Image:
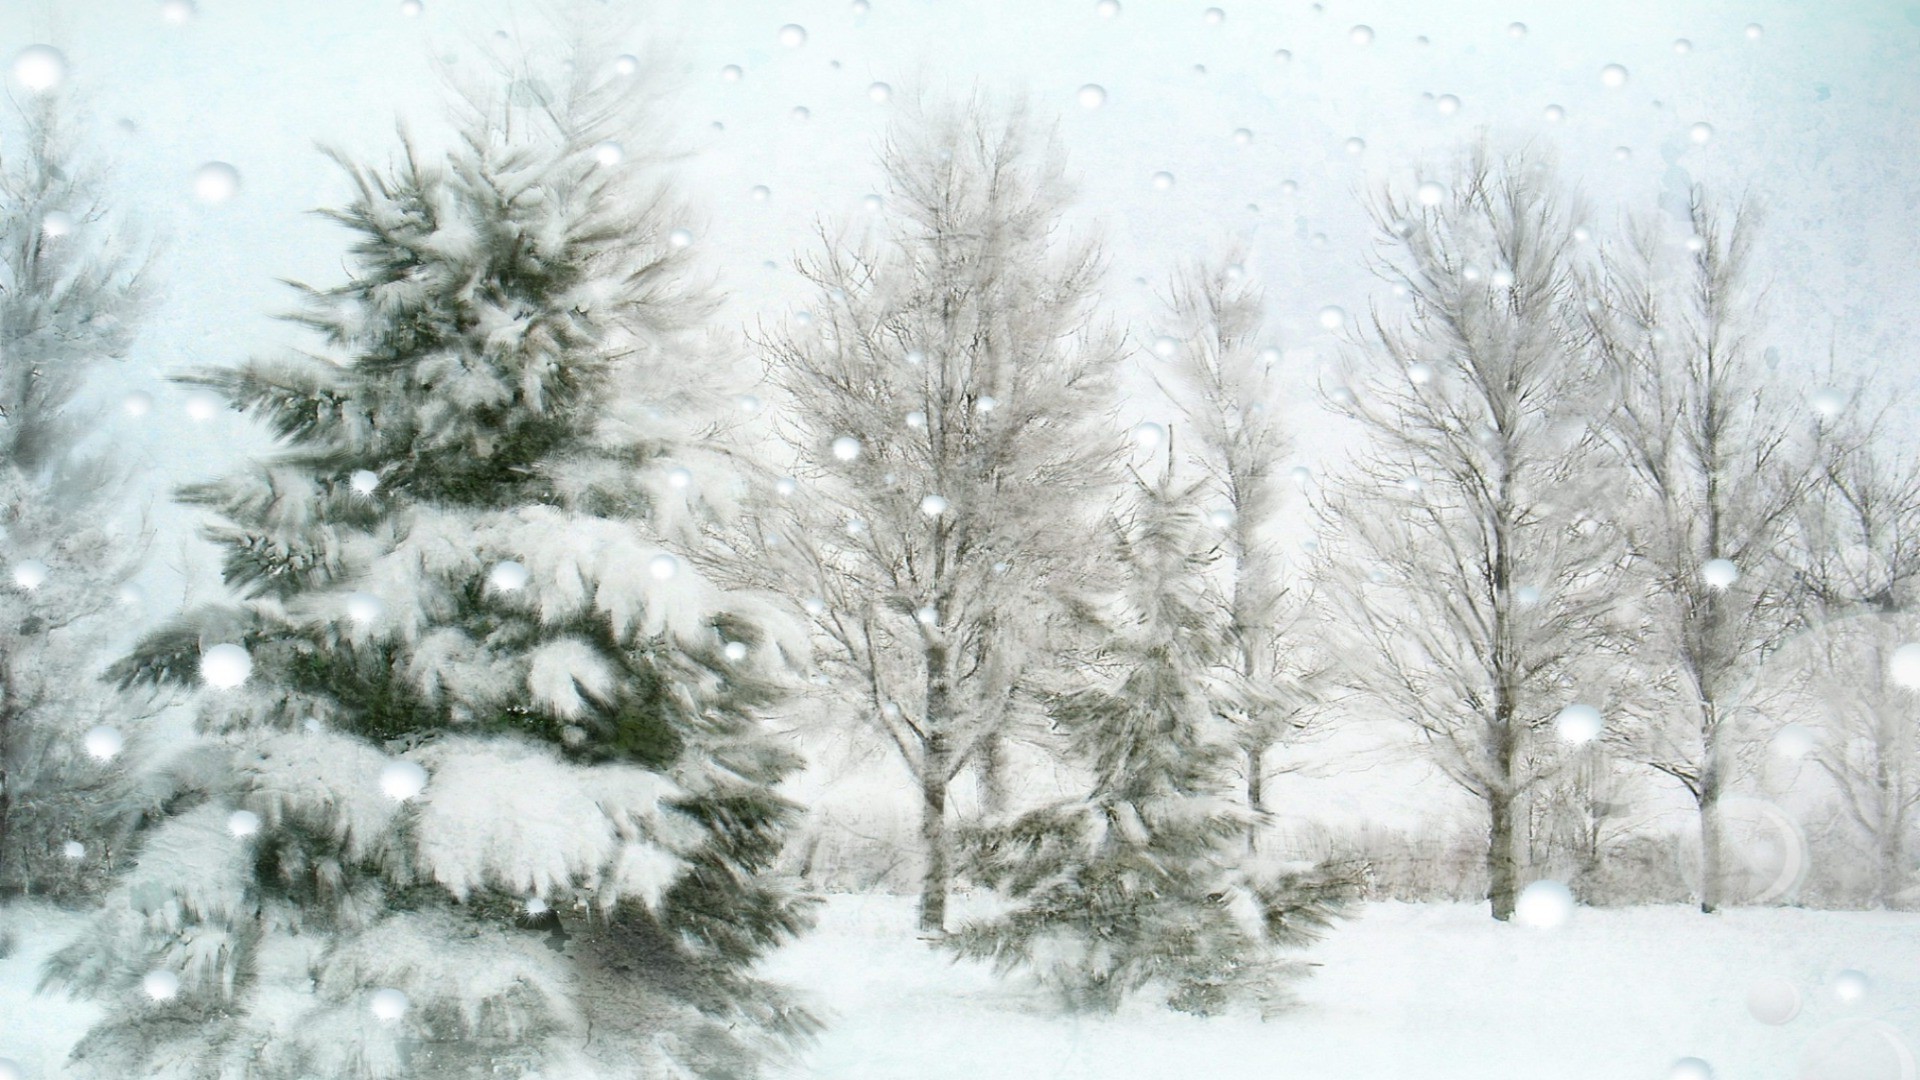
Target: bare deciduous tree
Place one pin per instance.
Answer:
(949, 420)
(1467, 564)
(1857, 561)
(1717, 478)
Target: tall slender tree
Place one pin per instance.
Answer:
(1468, 553)
(1718, 476)
(72, 289)
(482, 786)
(949, 403)
(1856, 565)
(1225, 385)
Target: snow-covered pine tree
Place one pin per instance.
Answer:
(72, 286)
(948, 401)
(482, 789)
(1143, 882)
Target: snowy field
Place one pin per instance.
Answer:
(1434, 992)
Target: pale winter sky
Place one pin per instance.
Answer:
(1813, 108)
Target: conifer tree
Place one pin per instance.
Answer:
(1143, 881)
(72, 287)
(482, 787)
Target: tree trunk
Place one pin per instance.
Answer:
(1501, 873)
(1712, 859)
(1887, 882)
(1256, 793)
(933, 833)
(994, 796)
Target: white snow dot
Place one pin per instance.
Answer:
(388, 1005)
(800, 112)
(226, 666)
(365, 608)
(680, 238)
(39, 67)
(1622, 153)
(364, 481)
(30, 573)
(663, 567)
(1164, 347)
(177, 11)
(202, 406)
(1719, 573)
(1829, 402)
(1162, 181)
(609, 153)
(508, 576)
(1903, 667)
(1754, 30)
(402, 780)
(1773, 1000)
(1682, 46)
(626, 64)
(1356, 146)
(793, 35)
(846, 448)
(216, 182)
(1793, 741)
(1333, 317)
(928, 615)
(1243, 136)
(1419, 373)
(535, 906)
(1092, 96)
(1579, 723)
(732, 73)
(243, 823)
(933, 505)
(813, 605)
(131, 594)
(1107, 9)
(1517, 30)
(1700, 132)
(1220, 519)
(735, 651)
(1430, 194)
(872, 203)
(1613, 75)
(1214, 16)
(1361, 35)
(137, 403)
(880, 93)
(56, 223)
(11, 1070)
(1526, 595)
(860, 7)
(1554, 114)
(1850, 986)
(1448, 104)
(786, 486)
(161, 985)
(679, 478)
(1543, 905)
(103, 743)
(1148, 434)
(1690, 1068)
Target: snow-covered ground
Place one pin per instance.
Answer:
(1405, 992)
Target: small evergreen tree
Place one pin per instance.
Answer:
(482, 788)
(71, 290)
(1144, 880)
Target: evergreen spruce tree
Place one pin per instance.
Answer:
(71, 290)
(1143, 882)
(482, 788)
